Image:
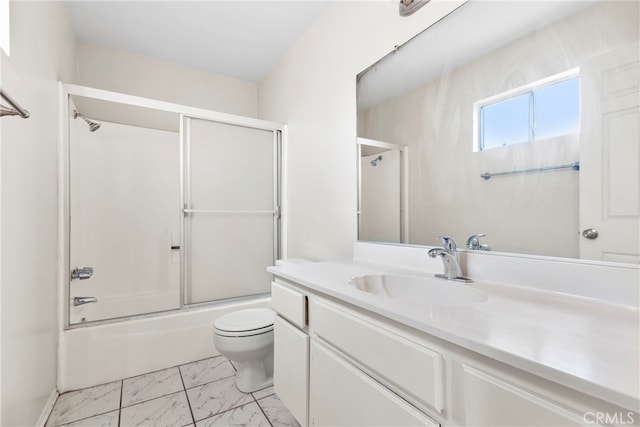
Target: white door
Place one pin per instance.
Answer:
(125, 213)
(610, 157)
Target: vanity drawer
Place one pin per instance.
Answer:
(411, 369)
(289, 303)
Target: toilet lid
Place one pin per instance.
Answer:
(252, 319)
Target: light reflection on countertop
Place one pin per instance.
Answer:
(585, 344)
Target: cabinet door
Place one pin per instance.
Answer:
(340, 394)
(291, 367)
(491, 401)
(387, 353)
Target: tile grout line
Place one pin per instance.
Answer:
(260, 406)
(155, 371)
(262, 410)
(207, 383)
(86, 418)
(234, 408)
(184, 387)
(120, 405)
(186, 395)
(89, 416)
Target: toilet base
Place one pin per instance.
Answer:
(253, 375)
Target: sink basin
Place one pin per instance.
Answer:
(421, 290)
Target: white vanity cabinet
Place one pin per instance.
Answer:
(338, 364)
(329, 370)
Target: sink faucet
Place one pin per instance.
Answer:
(449, 254)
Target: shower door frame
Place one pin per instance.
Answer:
(404, 182)
(186, 208)
(66, 90)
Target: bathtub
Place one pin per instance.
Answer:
(98, 354)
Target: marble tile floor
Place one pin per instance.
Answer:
(199, 394)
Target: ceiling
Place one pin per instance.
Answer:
(235, 38)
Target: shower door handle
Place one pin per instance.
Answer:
(175, 247)
(82, 273)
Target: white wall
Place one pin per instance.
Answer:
(140, 75)
(312, 88)
(42, 49)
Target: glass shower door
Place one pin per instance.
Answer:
(231, 209)
(124, 211)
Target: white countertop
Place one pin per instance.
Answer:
(585, 344)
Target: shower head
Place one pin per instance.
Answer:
(374, 162)
(93, 126)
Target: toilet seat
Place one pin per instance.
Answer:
(243, 323)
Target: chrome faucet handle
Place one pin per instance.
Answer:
(448, 244)
(473, 242)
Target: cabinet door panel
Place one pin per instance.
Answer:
(490, 401)
(291, 367)
(342, 395)
(386, 353)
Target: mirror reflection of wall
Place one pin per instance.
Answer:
(490, 102)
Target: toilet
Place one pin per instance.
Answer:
(246, 338)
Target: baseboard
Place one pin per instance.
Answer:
(48, 407)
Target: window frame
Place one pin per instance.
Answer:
(513, 93)
(5, 27)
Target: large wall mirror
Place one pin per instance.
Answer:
(521, 121)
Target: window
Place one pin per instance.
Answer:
(4, 27)
(544, 109)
